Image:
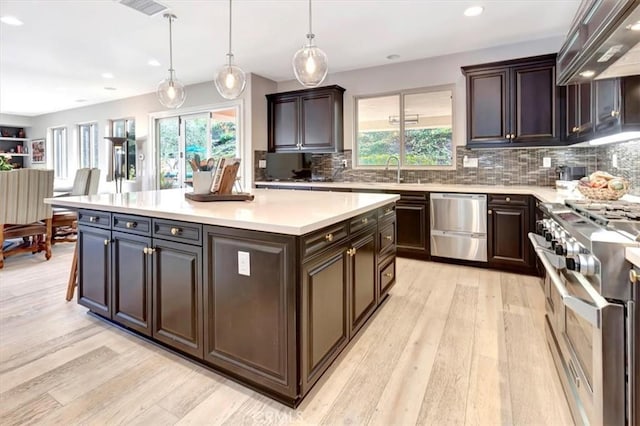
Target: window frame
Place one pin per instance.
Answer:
(401, 94)
(94, 149)
(61, 157)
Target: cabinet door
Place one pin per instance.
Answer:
(325, 312)
(533, 98)
(284, 117)
(508, 244)
(250, 308)
(317, 122)
(177, 295)
(412, 230)
(487, 106)
(573, 110)
(606, 104)
(585, 119)
(94, 277)
(362, 274)
(131, 283)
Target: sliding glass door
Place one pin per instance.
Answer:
(194, 139)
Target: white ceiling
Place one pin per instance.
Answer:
(58, 55)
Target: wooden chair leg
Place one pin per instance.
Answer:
(1, 244)
(47, 241)
(73, 275)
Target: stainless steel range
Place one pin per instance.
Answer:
(591, 314)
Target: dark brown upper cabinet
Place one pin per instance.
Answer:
(579, 118)
(307, 120)
(513, 103)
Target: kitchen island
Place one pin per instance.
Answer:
(267, 292)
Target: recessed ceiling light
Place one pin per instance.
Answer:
(588, 73)
(153, 63)
(107, 75)
(11, 20)
(393, 57)
(109, 88)
(634, 27)
(473, 11)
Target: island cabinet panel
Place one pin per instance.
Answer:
(362, 274)
(324, 312)
(177, 296)
(94, 269)
(250, 307)
(131, 283)
(412, 229)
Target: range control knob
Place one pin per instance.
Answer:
(548, 236)
(584, 264)
(560, 250)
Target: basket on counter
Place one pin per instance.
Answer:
(604, 193)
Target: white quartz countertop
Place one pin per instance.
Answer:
(632, 254)
(283, 211)
(543, 193)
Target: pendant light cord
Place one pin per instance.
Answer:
(310, 31)
(170, 47)
(230, 32)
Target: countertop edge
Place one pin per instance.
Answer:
(632, 254)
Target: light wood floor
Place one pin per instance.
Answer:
(452, 345)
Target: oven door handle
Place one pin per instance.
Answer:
(588, 311)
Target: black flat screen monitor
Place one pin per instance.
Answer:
(285, 166)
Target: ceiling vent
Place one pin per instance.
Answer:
(148, 7)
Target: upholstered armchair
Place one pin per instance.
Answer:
(23, 213)
(85, 182)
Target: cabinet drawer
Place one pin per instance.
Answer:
(363, 221)
(387, 237)
(387, 212)
(184, 232)
(387, 276)
(507, 199)
(132, 224)
(418, 197)
(94, 218)
(319, 240)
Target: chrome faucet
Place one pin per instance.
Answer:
(391, 157)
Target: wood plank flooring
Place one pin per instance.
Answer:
(451, 345)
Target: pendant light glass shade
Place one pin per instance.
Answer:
(230, 79)
(170, 91)
(310, 64)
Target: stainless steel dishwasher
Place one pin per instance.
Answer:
(459, 226)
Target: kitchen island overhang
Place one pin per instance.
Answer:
(267, 292)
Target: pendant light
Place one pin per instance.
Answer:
(170, 90)
(230, 79)
(310, 64)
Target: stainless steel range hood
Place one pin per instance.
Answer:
(604, 42)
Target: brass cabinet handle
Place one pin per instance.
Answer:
(175, 231)
(365, 220)
(145, 250)
(490, 211)
(93, 219)
(633, 276)
(149, 250)
(351, 251)
(575, 129)
(615, 113)
(388, 237)
(130, 225)
(106, 242)
(389, 210)
(329, 237)
(388, 274)
(508, 200)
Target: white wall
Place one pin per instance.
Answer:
(140, 108)
(15, 121)
(442, 70)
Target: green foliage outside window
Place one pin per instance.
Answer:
(423, 147)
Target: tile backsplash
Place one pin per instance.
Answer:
(495, 166)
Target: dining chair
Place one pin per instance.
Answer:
(86, 182)
(24, 216)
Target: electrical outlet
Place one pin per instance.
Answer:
(469, 162)
(262, 164)
(546, 162)
(614, 160)
(344, 164)
(244, 263)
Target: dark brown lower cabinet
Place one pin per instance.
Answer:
(324, 313)
(362, 277)
(177, 296)
(94, 274)
(508, 245)
(131, 281)
(250, 307)
(412, 229)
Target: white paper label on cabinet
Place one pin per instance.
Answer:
(244, 263)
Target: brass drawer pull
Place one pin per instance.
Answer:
(351, 251)
(388, 210)
(175, 231)
(388, 237)
(131, 225)
(490, 211)
(151, 250)
(508, 200)
(365, 220)
(329, 237)
(633, 276)
(93, 219)
(145, 250)
(388, 274)
(106, 242)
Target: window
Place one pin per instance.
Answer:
(88, 141)
(59, 137)
(126, 128)
(415, 126)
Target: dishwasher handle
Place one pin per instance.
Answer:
(441, 196)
